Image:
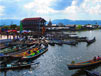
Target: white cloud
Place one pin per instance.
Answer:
(92, 7)
(97, 0)
(1, 10)
(95, 10)
(87, 7)
(72, 11)
(41, 7)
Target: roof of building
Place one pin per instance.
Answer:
(34, 19)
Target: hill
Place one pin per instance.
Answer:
(82, 22)
(57, 21)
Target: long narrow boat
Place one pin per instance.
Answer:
(91, 41)
(8, 58)
(13, 49)
(51, 42)
(73, 42)
(84, 64)
(5, 40)
(2, 46)
(33, 55)
(14, 67)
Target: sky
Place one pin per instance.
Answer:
(51, 9)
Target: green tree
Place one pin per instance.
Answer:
(13, 27)
(5, 27)
(79, 27)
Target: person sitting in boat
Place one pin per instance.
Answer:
(98, 58)
(94, 59)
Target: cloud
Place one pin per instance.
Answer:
(61, 4)
(1, 10)
(72, 11)
(41, 7)
(92, 7)
(86, 8)
(51, 9)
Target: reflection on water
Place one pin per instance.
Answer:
(81, 72)
(54, 61)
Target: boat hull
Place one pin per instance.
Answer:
(34, 57)
(91, 41)
(84, 65)
(15, 67)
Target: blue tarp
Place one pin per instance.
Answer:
(1, 54)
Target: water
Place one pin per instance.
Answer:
(54, 61)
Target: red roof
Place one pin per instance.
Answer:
(37, 19)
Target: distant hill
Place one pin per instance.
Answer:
(57, 21)
(82, 22)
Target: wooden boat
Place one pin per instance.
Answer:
(81, 40)
(2, 46)
(73, 36)
(32, 53)
(73, 42)
(8, 58)
(34, 56)
(5, 41)
(31, 56)
(84, 64)
(82, 37)
(14, 66)
(51, 43)
(91, 41)
(58, 42)
(13, 49)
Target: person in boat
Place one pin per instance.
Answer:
(94, 59)
(98, 58)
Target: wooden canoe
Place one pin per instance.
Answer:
(84, 64)
(91, 41)
(28, 57)
(14, 67)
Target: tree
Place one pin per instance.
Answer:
(79, 27)
(13, 27)
(4, 28)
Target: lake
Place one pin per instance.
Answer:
(54, 61)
